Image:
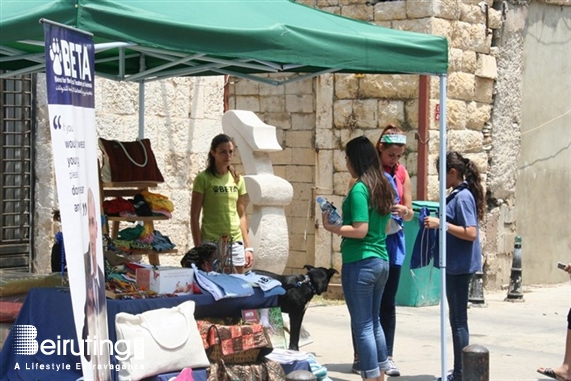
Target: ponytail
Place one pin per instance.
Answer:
(472, 177)
(469, 173)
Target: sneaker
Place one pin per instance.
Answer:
(393, 370)
(356, 368)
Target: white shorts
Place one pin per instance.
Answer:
(238, 253)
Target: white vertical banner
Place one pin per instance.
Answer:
(70, 77)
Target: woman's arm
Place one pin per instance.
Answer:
(407, 199)
(404, 209)
(467, 233)
(241, 208)
(357, 230)
(195, 209)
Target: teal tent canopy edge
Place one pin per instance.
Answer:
(221, 36)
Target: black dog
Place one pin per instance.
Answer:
(299, 291)
(202, 256)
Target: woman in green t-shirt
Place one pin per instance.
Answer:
(220, 194)
(366, 212)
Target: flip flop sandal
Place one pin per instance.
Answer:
(548, 372)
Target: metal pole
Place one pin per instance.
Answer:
(47, 21)
(142, 99)
(442, 230)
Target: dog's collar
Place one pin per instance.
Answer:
(307, 280)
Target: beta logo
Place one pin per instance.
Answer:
(70, 59)
(25, 339)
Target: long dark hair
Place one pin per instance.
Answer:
(468, 172)
(364, 160)
(216, 141)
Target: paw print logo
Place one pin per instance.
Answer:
(55, 56)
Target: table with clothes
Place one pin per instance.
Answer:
(49, 310)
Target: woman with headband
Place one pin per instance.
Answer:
(391, 146)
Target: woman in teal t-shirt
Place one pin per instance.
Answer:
(366, 212)
(220, 194)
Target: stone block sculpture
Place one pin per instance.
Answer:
(268, 192)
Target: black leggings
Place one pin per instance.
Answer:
(388, 312)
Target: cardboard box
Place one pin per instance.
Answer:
(166, 280)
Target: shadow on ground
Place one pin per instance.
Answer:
(345, 368)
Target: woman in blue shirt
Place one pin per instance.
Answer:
(366, 212)
(465, 206)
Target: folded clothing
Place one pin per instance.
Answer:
(116, 206)
(131, 234)
(10, 307)
(142, 208)
(157, 201)
(162, 242)
(319, 371)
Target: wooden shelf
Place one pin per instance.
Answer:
(131, 184)
(130, 189)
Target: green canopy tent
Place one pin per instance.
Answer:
(236, 37)
(151, 40)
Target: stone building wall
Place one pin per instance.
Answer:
(182, 115)
(543, 183)
(348, 105)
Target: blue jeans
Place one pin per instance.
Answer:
(363, 284)
(457, 294)
(388, 313)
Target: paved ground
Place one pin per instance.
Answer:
(520, 337)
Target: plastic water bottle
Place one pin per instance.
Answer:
(334, 217)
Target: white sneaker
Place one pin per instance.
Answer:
(393, 370)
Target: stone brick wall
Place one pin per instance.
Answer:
(348, 105)
(181, 117)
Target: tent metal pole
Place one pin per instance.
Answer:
(423, 126)
(142, 99)
(141, 109)
(28, 70)
(442, 231)
(47, 21)
(122, 63)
